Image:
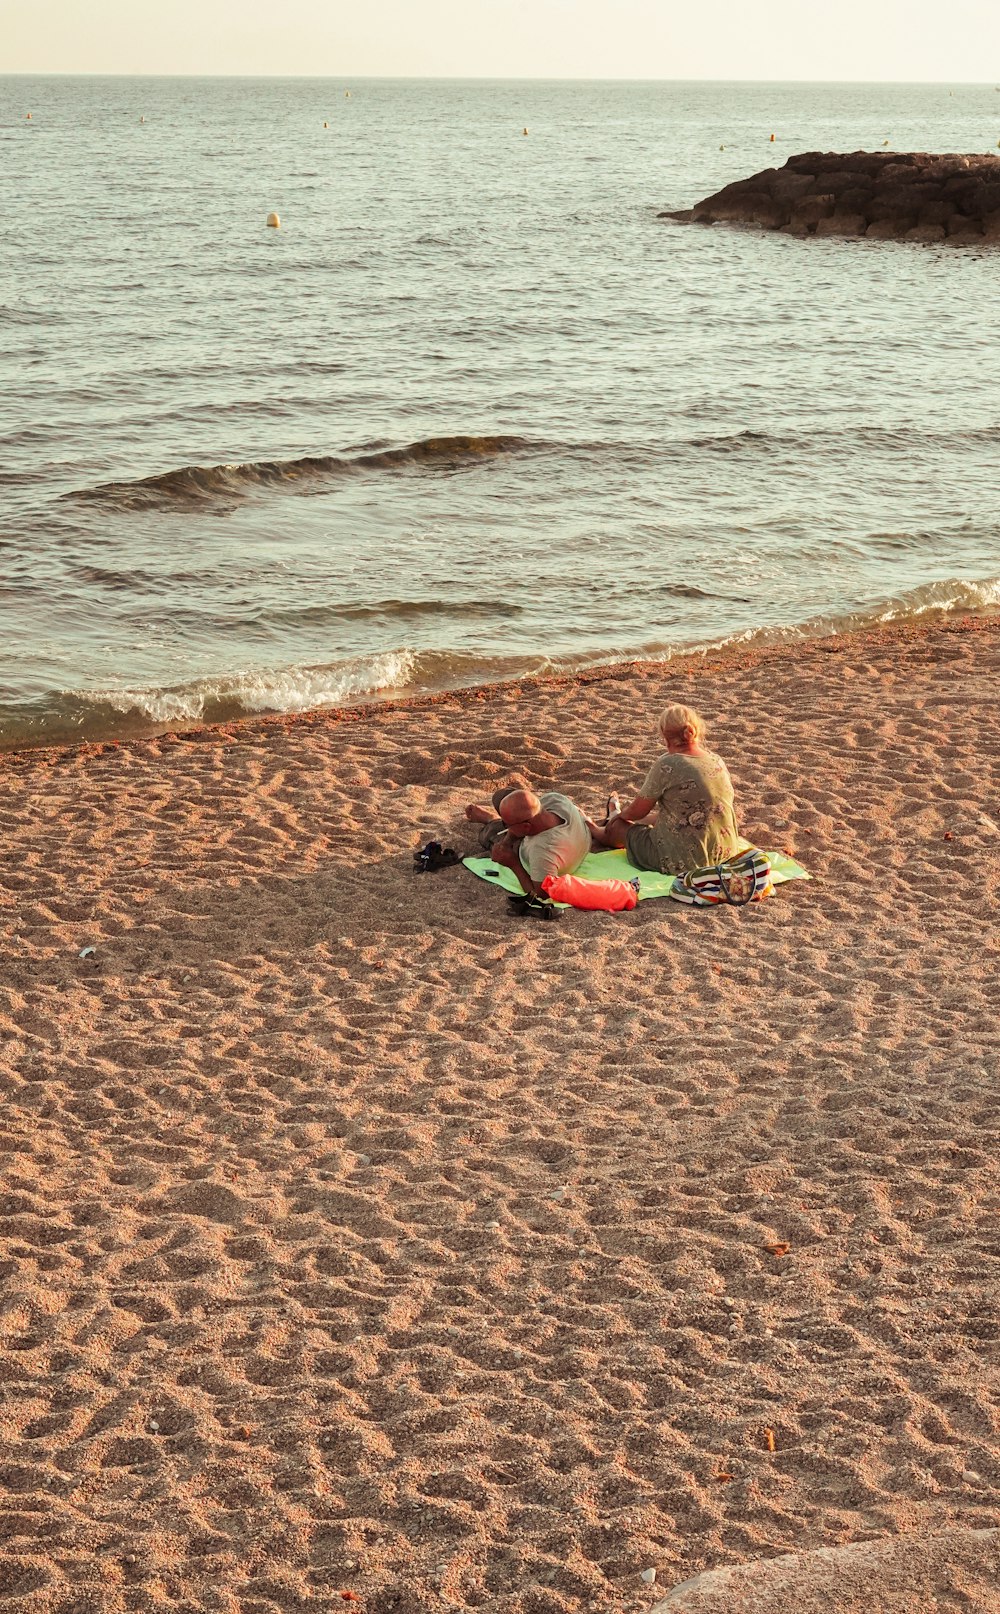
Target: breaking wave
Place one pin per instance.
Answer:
(218, 487)
(194, 485)
(70, 717)
(75, 716)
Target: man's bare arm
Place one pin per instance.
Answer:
(505, 851)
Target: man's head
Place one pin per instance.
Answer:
(519, 809)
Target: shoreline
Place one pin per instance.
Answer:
(685, 664)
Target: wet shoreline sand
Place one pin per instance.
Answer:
(359, 1236)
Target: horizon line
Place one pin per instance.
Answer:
(483, 78)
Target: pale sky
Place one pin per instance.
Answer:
(877, 40)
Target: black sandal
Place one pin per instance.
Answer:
(434, 856)
(532, 907)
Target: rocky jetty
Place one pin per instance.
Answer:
(886, 196)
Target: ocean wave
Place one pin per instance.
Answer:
(320, 614)
(690, 591)
(73, 716)
(201, 485)
(945, 598)
(950, 595)
(292, 689)
(398, 610)
(76, 716)
(219, 487)
(854, 435)
(12, 315)
(728, 442)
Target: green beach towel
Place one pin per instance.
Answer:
(616, 866)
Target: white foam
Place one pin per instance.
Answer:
(950, 595)
(291, 689)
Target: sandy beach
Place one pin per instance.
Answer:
(359, 1237)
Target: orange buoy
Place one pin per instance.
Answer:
(772, 138)
(273, 221)
(28, 116)
(524, 131)
(326, 126)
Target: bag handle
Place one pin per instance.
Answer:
(727, 873)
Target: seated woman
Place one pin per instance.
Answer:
(696, 822)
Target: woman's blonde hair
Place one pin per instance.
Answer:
(684, 721)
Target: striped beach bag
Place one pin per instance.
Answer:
(739, 880)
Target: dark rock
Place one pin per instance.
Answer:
(855, 200)
(835, 180)
(739, 187)
(934, 213)
(753, 207)
(942, 168)
(843, 224)
(789, 187)
(897, 173)
(901, 199)
(829, 162)
(886, 196)
(976, 199)
(887, 230)
(811, 209)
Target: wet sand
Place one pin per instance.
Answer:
(357, 1236)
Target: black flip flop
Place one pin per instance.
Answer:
(434, 856)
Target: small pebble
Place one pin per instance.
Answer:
(649, 1575)
(364, 1159)
(154, 1425)
(971, 1477)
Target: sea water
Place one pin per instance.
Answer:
(474, 410)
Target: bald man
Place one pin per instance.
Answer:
(535, 836)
